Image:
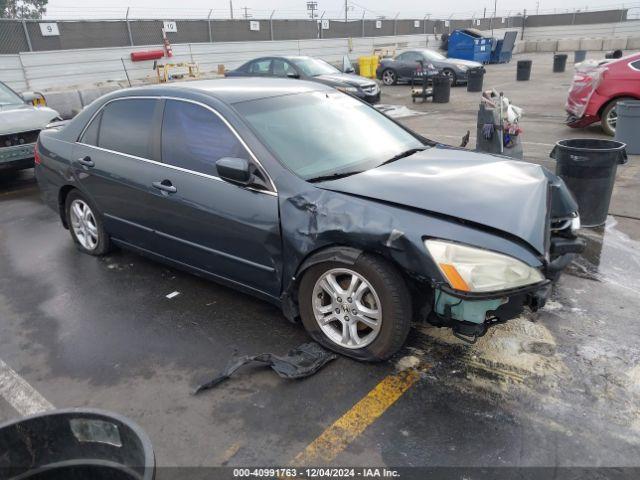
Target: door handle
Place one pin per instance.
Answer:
(86, 161)
(165, 186)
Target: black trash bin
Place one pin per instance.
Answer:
(475, 78)
(523, 70)
(75, 444)
(628, 125)
(579, 56)
(588, 167)
(441, 88)
(559, 62)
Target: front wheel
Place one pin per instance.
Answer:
(452, 76)
(609, 117)
(389, 77)
(361, 310)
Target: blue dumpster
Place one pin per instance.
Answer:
(503, 48)
(470, 44)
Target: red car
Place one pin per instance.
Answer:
(597, 87)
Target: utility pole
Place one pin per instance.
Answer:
(346, 9)
(246, 12)
(312, 7)
(231, 8)
(495, 10)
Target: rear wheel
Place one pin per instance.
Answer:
(389, 77)
(361, 310)
(609, 116)
(85, 225)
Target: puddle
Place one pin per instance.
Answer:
(610, 256)
(398, 111)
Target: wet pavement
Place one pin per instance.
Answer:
(560, 387)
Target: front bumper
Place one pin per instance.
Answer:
(17, 157)
(470, 315)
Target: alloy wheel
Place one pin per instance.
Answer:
(388, 77)
(612, 119)
(347, 308)
(84, 224)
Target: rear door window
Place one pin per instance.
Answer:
(260, 67)
(282, 68)
(636, 65)
(194, 138)
(127, 126)
(90, 135)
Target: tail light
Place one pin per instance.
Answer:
(36, 154)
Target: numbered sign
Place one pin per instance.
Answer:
(477, 22)
(416, 24)
(325, 24)
(446, 23)
(502, 20)
(49, 30)
(378, 23)
(170, 26)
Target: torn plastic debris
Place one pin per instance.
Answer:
(302, 361)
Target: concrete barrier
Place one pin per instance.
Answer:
(88, 95)
(67, 103)
(547, 46)
(633, 43)
(530, 46)
(568, 44)
(591, 44)
(614, 44)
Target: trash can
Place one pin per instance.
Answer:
(441, 88)
(613, 54)
(75, 444)
(588, 167)
(475, 78)
(523, 70)
(559, 62)
(579, 56)
(628, 125)
(365, 67)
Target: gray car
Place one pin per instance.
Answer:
(314, 201)
(20, 124)
(312, 69)
(402, 67)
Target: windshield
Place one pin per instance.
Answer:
(8, 96)
(431, 55)
(321, 134)
(313, 67)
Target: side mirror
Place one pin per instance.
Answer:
(293, 75)
(234, 170)
(350, 70)
(33, 98)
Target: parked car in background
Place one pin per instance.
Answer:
(313, 69)
(20, 124)
(314, 201)
(404, 66)
(596, 89)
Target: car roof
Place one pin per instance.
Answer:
(235, 89)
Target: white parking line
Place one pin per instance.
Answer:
(19, 394)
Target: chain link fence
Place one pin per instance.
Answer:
(41, 35)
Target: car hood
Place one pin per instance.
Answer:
(345, 78)
(466, 63)
(492, 191)
(21, 118)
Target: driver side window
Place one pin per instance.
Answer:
(260, 67)
(282, 68)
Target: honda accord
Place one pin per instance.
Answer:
(313, 200)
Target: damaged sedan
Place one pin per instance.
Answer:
(312, 200)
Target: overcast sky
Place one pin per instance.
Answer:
(297, 8)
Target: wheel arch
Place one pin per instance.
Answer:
(63, 193)
(614, 98)
(334, 253)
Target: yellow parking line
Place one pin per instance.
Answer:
(347, 428)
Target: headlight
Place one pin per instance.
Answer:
(475, 270)
(347, 89)
(463, 68)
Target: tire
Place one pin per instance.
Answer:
(389, 77)
(606, 122)
(452, 75)
(88, 234)
(383, 288)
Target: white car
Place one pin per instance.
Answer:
(20, 125)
